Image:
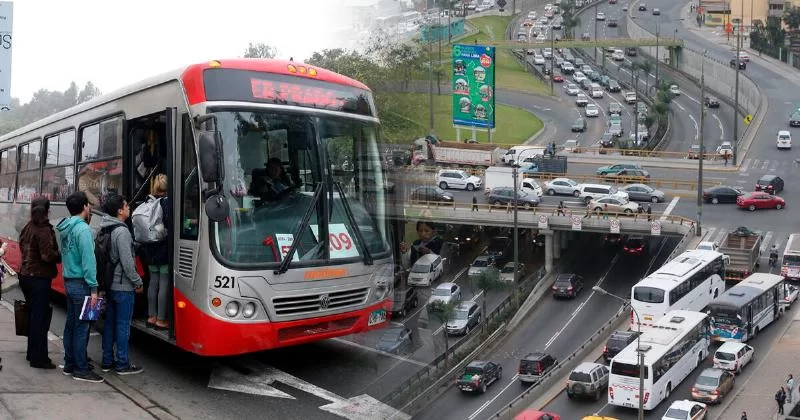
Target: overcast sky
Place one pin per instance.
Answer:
(115, 42)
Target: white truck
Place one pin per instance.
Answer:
(455, 153)
(503, 176)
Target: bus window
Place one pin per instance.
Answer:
(8, 172)
(29, 163)
(102, 175)
(58, 177)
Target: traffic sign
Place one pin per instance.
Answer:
(542, 221)
(655, 228)
(576, 222)
(614, 224)
(748, 119)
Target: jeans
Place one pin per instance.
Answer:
(117, 328)
(76, 331)
(37, 295)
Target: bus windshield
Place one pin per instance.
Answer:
(648, 294)
(274, 161)
(793, 260)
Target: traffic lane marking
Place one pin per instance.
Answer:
(376, 351)
(720, 126)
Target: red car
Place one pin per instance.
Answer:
(558, 78)
(760, 200)
(536, 415)
(612, 1)
(635, 245)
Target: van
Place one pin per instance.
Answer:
(588, 192)
(784, 140)
(534, 366)
(733, 356)
(513, 153)
(426, 270)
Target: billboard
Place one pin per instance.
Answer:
(473, 85)
(6, 20)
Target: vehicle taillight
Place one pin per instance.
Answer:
(631, 317)
(554, 287)
(715, 392)
(605, 349)
(736, 365)
(569, 288)
(611, 392)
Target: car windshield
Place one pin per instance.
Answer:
(648, 294)
(580, 377)
(441, 292)
(421, 268)
(563, 283)
(472, 370)
(273, 163)
(480, 263)
(676, 413)
(461, 314)
(764, 181)
(707, 381)
(725, 356)
(508, 269)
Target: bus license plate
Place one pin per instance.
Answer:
(629, 405)
(377, 317)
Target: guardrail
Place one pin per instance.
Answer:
(544, 384)
(441, 362)
(681, 246)
(672, 184)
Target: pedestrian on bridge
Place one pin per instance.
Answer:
(474, 203)
(725, 158)
(789, 388)
(744, 415)
(649, 213)
(560, 209)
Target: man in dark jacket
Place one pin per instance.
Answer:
(40, 258)
(126, 282)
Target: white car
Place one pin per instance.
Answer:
(617, 55)
(547, 53)
(541, 39)
(532, 15)
(564, 186)
(733, 356)
(538, 59)
(597, 91)
(479, 265)
(673, 89)
(744, 56)
(601, 16)
(571, 146)
(708, 246)
(426, 270)
(592, 110)
(790, 293)
(573, 89)
(458, 179)
(445, 293)
(784, 140)
(613, 204)
(566, 67)
(578, 77)
(581, 100)
(686, 410)
(725, 148)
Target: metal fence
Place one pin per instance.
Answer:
(438, 366)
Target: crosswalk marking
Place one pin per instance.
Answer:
(766, 241)
(770, 165)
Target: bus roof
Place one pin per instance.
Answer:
(747, 289)
(689, 262)
(191, 77)
(661, 336)
(793, 244)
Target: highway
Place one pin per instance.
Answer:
(556, 326)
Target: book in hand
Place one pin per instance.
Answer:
(91, 312)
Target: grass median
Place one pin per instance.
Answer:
(513, 125)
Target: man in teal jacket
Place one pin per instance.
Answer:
(80, 280)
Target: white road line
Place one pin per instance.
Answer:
(696, 129)
(689, 97)
(669, 208)
(721, 127)
(370, 349)
(681, 107)
(765, 243)
(513, 381)
(745, 165)
(765, 165)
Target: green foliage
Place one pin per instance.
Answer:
(442, 311)
(660, 109)
(43, 104)
(260, 50)
(649, 120)
(791, 17)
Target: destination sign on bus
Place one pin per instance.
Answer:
(244, 85)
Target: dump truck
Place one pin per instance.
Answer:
(743, 248)
(431, 151)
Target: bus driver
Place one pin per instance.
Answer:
(271, 183)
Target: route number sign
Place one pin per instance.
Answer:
(542, 221)
(577, 222)
(614, 225)
(655, 228)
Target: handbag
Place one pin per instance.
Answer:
(21, 317)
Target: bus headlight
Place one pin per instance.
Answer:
(249, 310)
(232, 308)
(383, 282)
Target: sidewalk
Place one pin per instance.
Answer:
(771, 366)
(28, 393)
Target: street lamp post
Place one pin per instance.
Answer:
(736, 94)
(639, 352)
(699, 230)
(516, 225)
(595, 33)
(657, 59)
(552, 57)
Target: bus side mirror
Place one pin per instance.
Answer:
(726, 259)
(210, 151)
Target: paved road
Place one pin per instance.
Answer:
(556, 326)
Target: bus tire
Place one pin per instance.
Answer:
(669, 391)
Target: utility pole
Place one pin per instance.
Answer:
(552, 58)
(657, 35)
(595, 33)
(736, 94)
(699, 230)
(430, 77)
(516, 226)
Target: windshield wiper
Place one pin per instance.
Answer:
(300, 228)
(349, 213)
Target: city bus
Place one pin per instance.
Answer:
(249, 271)
(790, 263)
(745, 309)
(673, 347)
(690, 281)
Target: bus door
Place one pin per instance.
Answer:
(777, 298)
(749, 320)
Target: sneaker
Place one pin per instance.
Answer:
(130, 370)
(65, 370)
(88, 376)
(107, 368)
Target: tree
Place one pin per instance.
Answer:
(791, 17)
(444, 313)
(260, 50)
(487, 281)
(570, 22)
(44, 103)
(89, 92)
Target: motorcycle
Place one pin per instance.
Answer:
(773, 258)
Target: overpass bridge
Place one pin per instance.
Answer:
(599, 43)
(557, 228)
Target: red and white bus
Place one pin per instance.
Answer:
(790, 263)
(241, 282)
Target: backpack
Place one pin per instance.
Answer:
(148, 222)
(102, 253)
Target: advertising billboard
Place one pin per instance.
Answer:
(6, 20)
(473, 85)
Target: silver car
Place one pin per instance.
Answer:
(479, 265)
(641, 192)
(507, 274)
(563, 186)
(466, 316)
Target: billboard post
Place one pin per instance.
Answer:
(6, 21)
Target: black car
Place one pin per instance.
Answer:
(631, 51)
(404, 300)
(396, 340)
(742, 63)
(505, 195)
(579, 125)
(722, 194)
(535, 365)
(613, 86)
(642, 7)
(794, 119)
(539, 240)
(567, 285)
(711, 102)
(500, 248)
(431, 194)
(607, 140)
(464, 236)
(772, 184)
(617, 342)
(612, 23)
(478, 375)
(613, 239)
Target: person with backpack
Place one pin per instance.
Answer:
(79, 269)
(125, 281)
(155, 242)
(40, 258)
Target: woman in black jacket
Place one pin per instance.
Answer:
(40, 257)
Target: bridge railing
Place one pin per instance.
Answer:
(427, 177)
